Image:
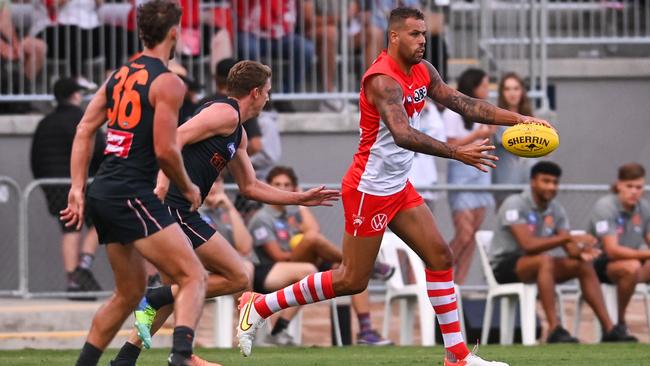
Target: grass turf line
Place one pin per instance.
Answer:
(556, 355)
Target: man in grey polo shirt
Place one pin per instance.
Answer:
(621, 222)
(289, 244)
(532, 223)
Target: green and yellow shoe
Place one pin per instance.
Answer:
(144, 315)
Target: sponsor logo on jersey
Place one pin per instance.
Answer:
(419, 94)
(118, 143)
(218, 161)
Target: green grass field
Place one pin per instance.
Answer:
(591, 355)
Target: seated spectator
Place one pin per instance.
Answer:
(266, 29)
(511, 169)
(530, 224)
(290, 236)
(468, 207)
(27, 51)
(621, 222)
(76, 35)
(50, 158)
(219, 211)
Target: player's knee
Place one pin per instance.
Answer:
(442, 257)
(129, 297)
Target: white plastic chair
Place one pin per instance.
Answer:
(223, 321)
(525, 293)
(611, 303)
(410, 296)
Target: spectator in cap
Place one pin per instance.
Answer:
(50, 158)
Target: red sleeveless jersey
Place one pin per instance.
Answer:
(380, 167)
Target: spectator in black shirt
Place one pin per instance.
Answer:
(50, 158)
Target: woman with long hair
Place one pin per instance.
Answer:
(468, 207)
(511, 169)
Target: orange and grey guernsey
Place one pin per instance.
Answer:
(380, 167)
(130, 163)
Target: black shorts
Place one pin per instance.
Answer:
(600, 265)
(57, 200)
(261, 272)
(125, 220)
(504, 268)
(194, 227)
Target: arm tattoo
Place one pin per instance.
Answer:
(391, 109)
(474, 109)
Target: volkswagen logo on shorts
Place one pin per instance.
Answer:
(379, 222)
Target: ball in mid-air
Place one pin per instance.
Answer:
(530, 140)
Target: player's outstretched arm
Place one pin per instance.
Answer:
(386, 95)
(82, 149)
(167, 93)
(244, 174)
(475, 109)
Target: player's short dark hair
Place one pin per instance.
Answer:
(631, 171)
(245, 76)
(155, 18)
(546, 167)
(400, 14)
(282, 170)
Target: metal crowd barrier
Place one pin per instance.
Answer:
(327, 46)
(40, 273)
(11, 267)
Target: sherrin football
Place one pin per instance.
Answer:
(530, 140)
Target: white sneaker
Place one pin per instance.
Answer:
(281, 339)
(473, 360)
(249, 322)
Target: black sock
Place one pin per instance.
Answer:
(160, 296)
(86, 260)
(127, 356)
(89, 355)
(280, 325)
(183, 338)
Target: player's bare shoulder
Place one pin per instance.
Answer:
(435, 80)
(382, 89)
(168, 86)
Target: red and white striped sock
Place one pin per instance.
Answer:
(442, 294)
(313, 288)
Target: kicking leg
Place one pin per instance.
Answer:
(349, 278)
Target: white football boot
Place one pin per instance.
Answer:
(473, 360)
(249, 322)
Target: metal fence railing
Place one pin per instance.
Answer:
(34, 269)
(11, 267)
(317, 49)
